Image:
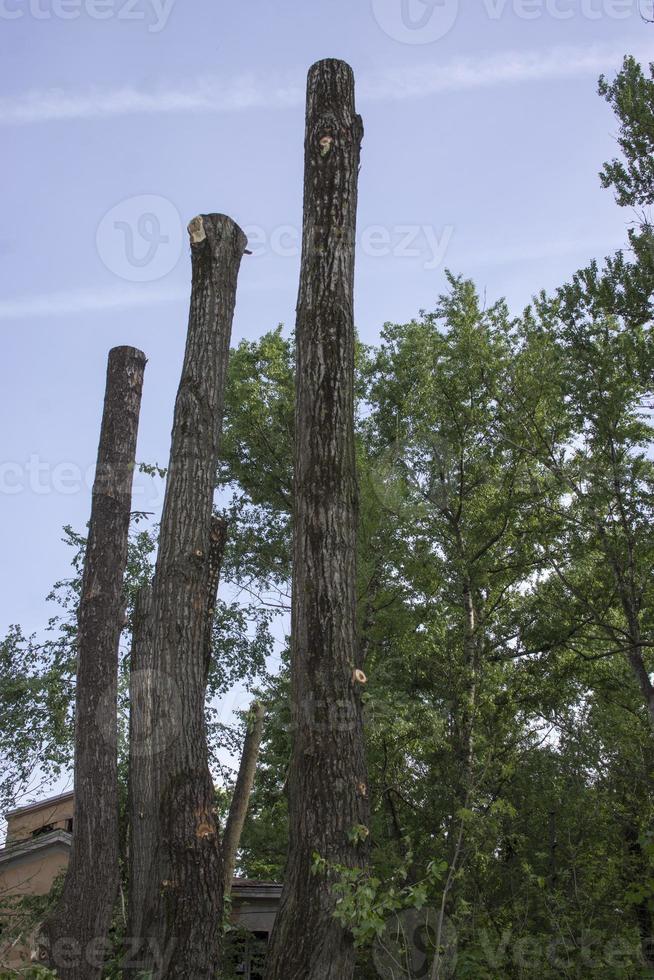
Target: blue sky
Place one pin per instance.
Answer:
(121, 119)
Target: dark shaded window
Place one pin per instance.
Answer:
(257, 952)
(47, 828)
(245, 954)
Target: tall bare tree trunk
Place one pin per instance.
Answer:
(153, 695)
(77, 932)
(327, 779)
(182, 907)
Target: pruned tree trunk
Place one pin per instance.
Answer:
(242, 791)
(183, 904)
(152, 695)
(327, 784)
(77, 932)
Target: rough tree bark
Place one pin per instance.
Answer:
(142, 817)
(218, 541)
(77, 932)
(151, 696)
(183, 902)
(241, 798)
(327, 785)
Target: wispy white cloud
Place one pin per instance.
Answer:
(209, 94)
(75, 301)
(502, 68)
(213, 94)
(529, 251)
(71, 302)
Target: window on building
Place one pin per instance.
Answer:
(246, 953)
(47, 828)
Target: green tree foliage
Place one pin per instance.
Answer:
(624, 283)
(507, 735)
(38, 676)
(506, 545)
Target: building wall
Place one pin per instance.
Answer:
(35, 873)
(35, 855)
(32, 873)
(26, 821)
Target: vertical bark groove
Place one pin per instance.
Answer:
(77, 932)
(327, 783)
(142, 793)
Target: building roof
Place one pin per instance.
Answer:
(48, 802)
(31, 846)
(58, 839)
(244, 888)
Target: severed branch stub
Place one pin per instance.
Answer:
(196, 230)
